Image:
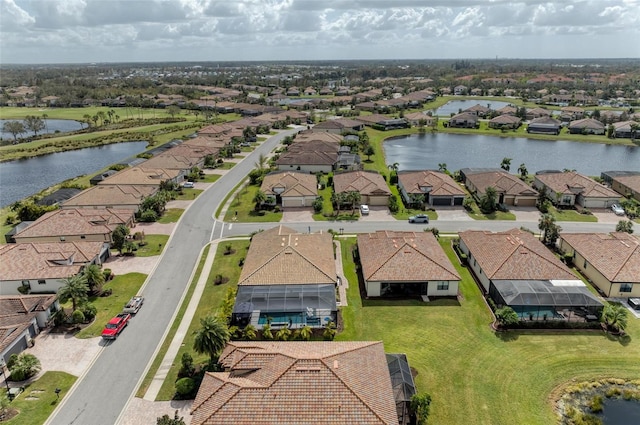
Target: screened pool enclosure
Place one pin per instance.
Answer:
(291, 306)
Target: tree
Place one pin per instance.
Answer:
(33, 123)
(369, 150)
(75, 288)
(166, 420)
(506, 164)
(522, 169)
(249, 333)
(211, 338)
(119, 236)
(15, 128)
(442, 167)
(489, 201)
(25, 366)
(283, 334)
(337, 199)
(329, 331)
(260, 163)
(615, 316)
(353, 197)
(94, 276)
(624, 226)
(551, 231)
(259, 199)
(420, 406)
(266, 332)
(173, 110)
(305, 333)
(507, 316)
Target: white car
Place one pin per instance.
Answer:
(364, 209)
(188, 185)
(617, 209)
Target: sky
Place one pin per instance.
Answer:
(85, 31)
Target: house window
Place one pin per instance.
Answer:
(566, 199)
(443, 286)
(42, 282)
(626, 287)
(585, 265)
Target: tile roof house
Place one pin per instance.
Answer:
(21, 318)
(142, 176)
(419, 118)
(544, 125)
(610, 261)
(534, 113)
(371, 186)
(509, 188)
(292, 383)
(290, 188)
(310, 156)
(434, 187)
(586, 126)
(122, 196)
(464, 120)
(626, 129)
(288, 276)
(627, 184)
(571, 188)
(517, 270)
(42, 267)
(401, 264)
(172, 160)
(505, 121)
(339, 126)
(479, 110)
(77, 224)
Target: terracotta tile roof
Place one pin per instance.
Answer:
(193, 151)
(365, 182)
(505, 119)
(31, 261)
(293, 184)
(565, 182)
(77, 221)
(615, 255)
(589, 123)
(141, 176)
(514, 254)
(171, 160)
(107, 194)
(282, 256)
(502, 181)
(215, 130)
(305, 136)
(403, 256)
(632, 182)
(207, 142)
(346, 383)
(440, 183)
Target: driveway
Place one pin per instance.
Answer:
(159, 228)
(291, 214)
(144, 412)
(378, 213)
(607, 216)
(525, 213)
(124, 264)
(453, 214)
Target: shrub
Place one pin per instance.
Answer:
(185, 387)
(12, 360)
(317, 205)
(187, 368)
(595, 405)
(108, 274)
(25, 366)
(148, 216)
(89, 310)
(77, 316)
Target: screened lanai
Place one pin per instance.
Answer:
(547, 299)
(291, 306)
(403, 385)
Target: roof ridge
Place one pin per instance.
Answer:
(624, 263)
(225, 383)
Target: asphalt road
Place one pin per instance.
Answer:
(102, 393)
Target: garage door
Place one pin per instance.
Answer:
(441, 201)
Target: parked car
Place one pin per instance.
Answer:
(115, 326)
(134, 304)
(188, 184)
(364, 209)
(419, 218)
(617, 209)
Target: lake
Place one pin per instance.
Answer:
(22, 178)
(455, 106)
(426, 151)
(618, 411)
(62, 126)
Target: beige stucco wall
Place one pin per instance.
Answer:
(484, 280)
(67, 238)
(10, 287)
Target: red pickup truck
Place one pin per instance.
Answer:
(115, 326)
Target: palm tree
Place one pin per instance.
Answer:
(394, 167)
(262, 160)
(305, 333)
(94, 276)
(266, 332)
(211, 337)
(249, 333)
(522, 169)
(283, 334)
(75, 288)
(551, 231)
(353, 197)
(624, 226)
(259, 199)
(337, 199)
(615, 316)
(506, 164)
(442, 167)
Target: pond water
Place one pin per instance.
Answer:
(426, 151)
(62, 126)
(454, 106)
(22, 178)
(620, 412)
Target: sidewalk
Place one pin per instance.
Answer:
(344, 283)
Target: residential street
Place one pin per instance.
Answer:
(102, 393)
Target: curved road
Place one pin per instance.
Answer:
(101, 394)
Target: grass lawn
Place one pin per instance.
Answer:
(227, 266)
(477, 376)
(174, 327)
(42, 398)
(244, 206)
(154, 245)
(188, 194)
(571, 215)
(226, 165)
(210, 178)
(476, 214)
(124, 287)
(171, 215)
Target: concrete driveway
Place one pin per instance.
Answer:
(378, 213)
(302, 214)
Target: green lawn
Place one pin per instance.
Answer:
(328, 212)
(477, 376)
(243, 205)
(210, 178)
(571, 215)
(227, 266)
(42, 398)
(225, 165)
(124, 287)
(174, 327)
(154, 244)
(171, 215)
